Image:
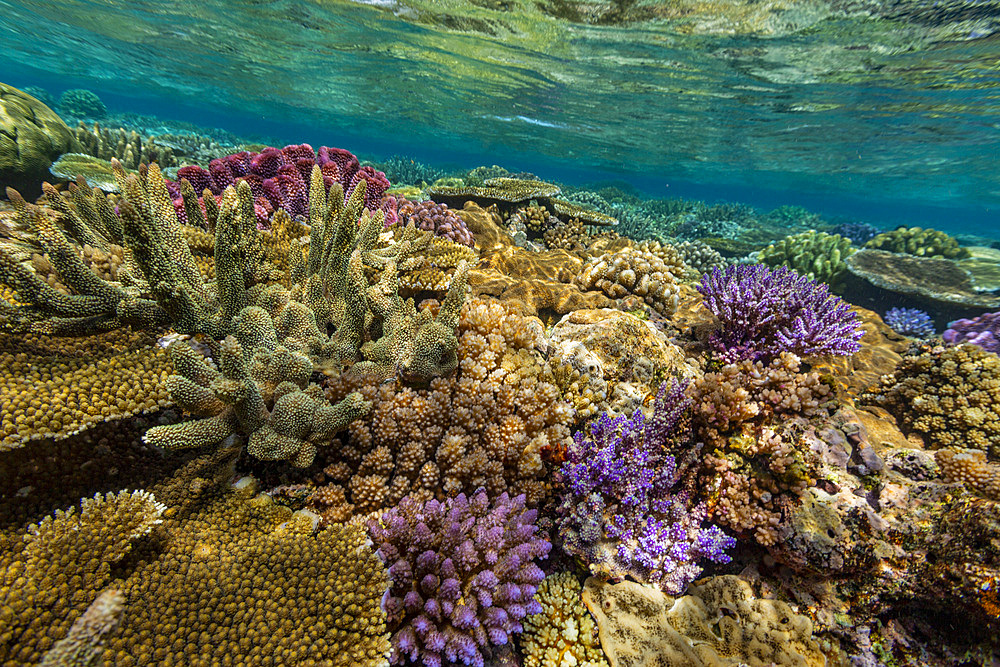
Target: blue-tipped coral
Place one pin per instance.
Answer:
(910, 322)
(763, 312)
(623, 510)
(462, 575)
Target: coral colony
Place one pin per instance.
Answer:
(910, 322)
(983, 331)
(763, 312)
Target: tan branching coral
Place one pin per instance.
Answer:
(492, 423)
(564, 634)
(129, 147)
(950, 396)
(636, 271)
(970, 467)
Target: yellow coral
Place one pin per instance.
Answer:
(563, 634)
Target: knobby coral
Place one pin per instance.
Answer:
(763, 312)
(462, 575)
(983, 331)
(624, 511)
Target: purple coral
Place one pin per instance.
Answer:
(983, 331)
(462, 575)
(438, 218)
(279, 178)
(910, 322)
(764, 312)
(622, 510)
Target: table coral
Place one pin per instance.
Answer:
(624, 510)
(563, 634)
(462, 575)
(950, 396)
(763, 312)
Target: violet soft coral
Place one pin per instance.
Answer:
(279, 178)
(462, 575)
(983, 331)
(763, 312)
(623, 509)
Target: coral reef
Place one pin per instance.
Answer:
(31, 137)
(764, 312)
(82, 103)
(563, 633)
(818, 255)
(983, 330)
(462, 575)
(721, 621)
(623, 510)
(910, 322)
(950, 396)
(970, 467)
(919, 242)
(401, 169)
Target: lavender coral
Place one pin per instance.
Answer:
(438, 218)
(983, 331)
(910, 322)
(763, 312)
(462, 575)
(622, 510)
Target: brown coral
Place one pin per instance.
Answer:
(636, 271)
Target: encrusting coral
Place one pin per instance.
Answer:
(563, 633)
(462, 575)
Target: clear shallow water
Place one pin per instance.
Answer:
(889, 109)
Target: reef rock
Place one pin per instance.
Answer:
(31, 137)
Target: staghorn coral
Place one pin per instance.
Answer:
(66, 560)
(970, 467)
(462, 575)
(640, 271)
(563, 633)
(983, 331)
(721, 621)
(910, 322)
(623, 510)
(919, 242)
(818, 255)
(129, 147)
(764, 312)
(493, 423)
(950, 396)
(437, 218)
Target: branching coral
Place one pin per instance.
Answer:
(951, 396)
(920, 242)
(970, 467)
(563, 633)
(818, 255)
(493, 423)
(910, 322)
(462, 575)
(764, 312)
(639, 271)
(624, 510)
(129, 147)
(432, 217)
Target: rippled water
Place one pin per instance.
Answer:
(890, 103)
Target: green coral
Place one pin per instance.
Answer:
(815, 254)
(82, 103)
(920, 242)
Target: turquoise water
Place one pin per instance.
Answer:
(883, 111)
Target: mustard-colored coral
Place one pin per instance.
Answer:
(637, 271)
(564, 633)
(970, 467)
(950, 396)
